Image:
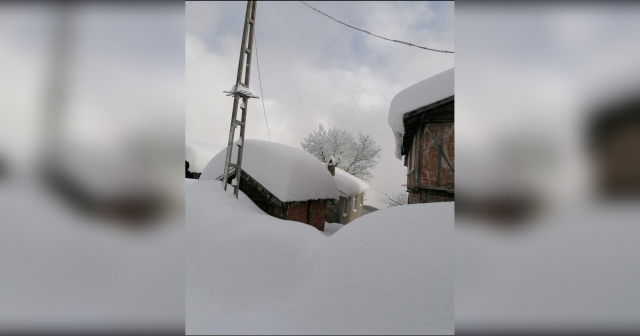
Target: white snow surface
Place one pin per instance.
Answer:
(389, 272)
(199, 151)
(289, 173)
(421, 94)
(66, 271)
(576, 270)
(331, 228)
(348, 184)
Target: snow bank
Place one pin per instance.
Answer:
(390, 272)
(62, 270)
(421, 94)
(289, 173)
(348, 184)
(577, 271)
(199, 151)
(331, 228)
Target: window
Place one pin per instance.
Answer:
(344, 208)
(361, 199)
(355, 205)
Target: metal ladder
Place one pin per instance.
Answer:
(238, 92)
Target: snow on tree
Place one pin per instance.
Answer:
(394, 199)
(355, 155)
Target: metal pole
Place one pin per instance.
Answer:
(246, 48)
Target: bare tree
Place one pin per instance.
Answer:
(355, 155)
(394, 199)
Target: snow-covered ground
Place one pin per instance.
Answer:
(65, 271)
(331, 228)
(577, 270)
(389, 272)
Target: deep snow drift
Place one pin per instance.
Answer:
(421, 94)
(577, 270)
(65, 271)
(389, 272)
(289, 173)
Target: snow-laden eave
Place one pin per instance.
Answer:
(272, 198)
(343, 195)
(421, 94)
(349, 185)
(413, 119)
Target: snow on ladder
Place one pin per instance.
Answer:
(240, 91)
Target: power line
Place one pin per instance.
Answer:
(384, 38)
(255, 38)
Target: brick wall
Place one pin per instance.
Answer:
(423, 163)
(297, 212)
(316, 219)
(272, 206)
(445, 133)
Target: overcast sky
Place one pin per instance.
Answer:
(315, 70)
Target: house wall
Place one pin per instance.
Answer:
(310, 212)
(427, 167)
(316, 217)
(331, 214)
(347, 203)
(297, 212)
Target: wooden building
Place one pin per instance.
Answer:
(426, 137)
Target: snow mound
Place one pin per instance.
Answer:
(199, 151)
(289, 173)
(64, 270)
(331, 228)
(348, 184)
(576, 270)
(390, 272)
(423, 93)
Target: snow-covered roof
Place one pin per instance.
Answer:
(348, 184)
(199, 151)
(289, 173)
(423, 93)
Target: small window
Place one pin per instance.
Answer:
(355, 205)
(344, 208)
(361, 198)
